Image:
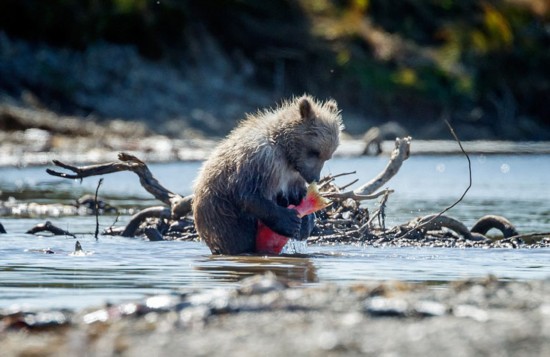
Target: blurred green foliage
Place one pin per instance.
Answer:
(388, 58)
(460, 56)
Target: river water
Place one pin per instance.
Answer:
(116, 269)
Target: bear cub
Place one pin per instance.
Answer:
(263, 166)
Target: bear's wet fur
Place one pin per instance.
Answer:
(262, 166)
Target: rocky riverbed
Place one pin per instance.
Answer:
(269, 316)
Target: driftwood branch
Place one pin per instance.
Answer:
(354, 196)
(129, 163)
(398, 155)
(366, 191)
(49, 227)
(486, 223)
(341, 188)
(180, 206)
(325, 181)
(153, 234)
(436, 222)
(477, 232)
(138, 218)
(532, 238)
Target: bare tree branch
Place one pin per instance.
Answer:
(129, 163)
(347, 185)
(355, 196)
(179, 206)
(330, 178)
(399, 154)
(365, 192)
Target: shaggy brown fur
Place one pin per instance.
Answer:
(261, 168)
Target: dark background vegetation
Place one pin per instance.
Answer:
(484, 65)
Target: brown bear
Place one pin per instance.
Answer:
(259, 169)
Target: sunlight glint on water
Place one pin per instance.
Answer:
(120, 268)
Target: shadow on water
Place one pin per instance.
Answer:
(295, 267)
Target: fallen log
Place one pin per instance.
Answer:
(49, 227)
(486, 223)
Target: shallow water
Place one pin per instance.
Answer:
(116, 269)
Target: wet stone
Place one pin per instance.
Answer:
(381, 306)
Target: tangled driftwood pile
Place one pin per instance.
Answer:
(345, 221)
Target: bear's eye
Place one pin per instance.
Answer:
(314, 153)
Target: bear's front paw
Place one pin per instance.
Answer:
(286, 222)
(308, 223)
(296, 195)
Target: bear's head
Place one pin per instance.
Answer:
(311, 136)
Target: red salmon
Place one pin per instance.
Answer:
(269, 242)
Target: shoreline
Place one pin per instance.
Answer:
(275, 317)
(161, 149)
(35, 137)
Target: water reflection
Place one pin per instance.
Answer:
(122, 268)
(298, 268)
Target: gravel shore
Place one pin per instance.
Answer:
(272, 317)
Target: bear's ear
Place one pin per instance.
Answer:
(306, 112)
(332, 105)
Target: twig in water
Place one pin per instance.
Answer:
(357, 197)
(379, 214)
(463, 194)
(116, 220)
(97, 208)
(382, 211)
(330, 178)
(341, 188)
